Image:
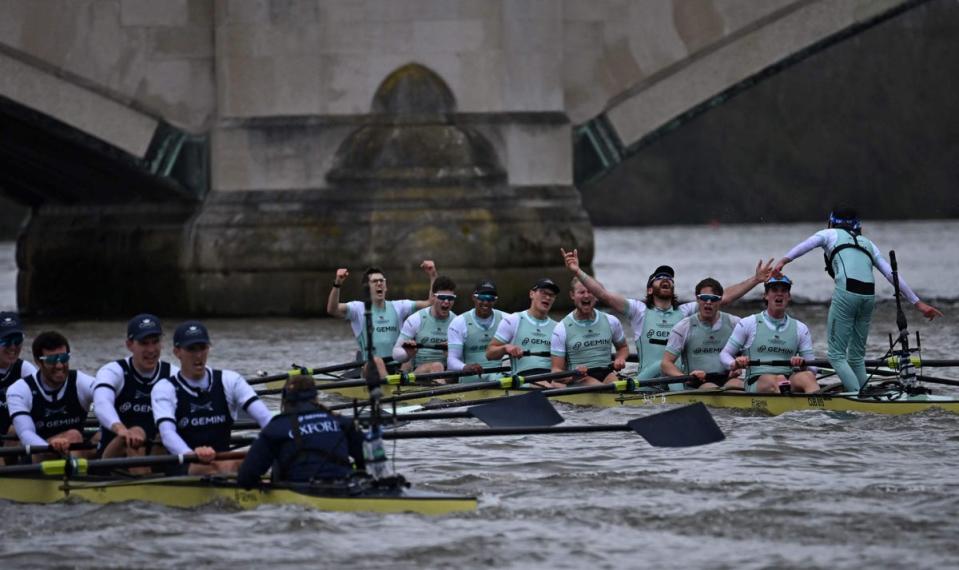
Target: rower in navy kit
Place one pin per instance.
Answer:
(195, 409)
(305, 443)
(12, 367)
(121, 396)
(525, 336)
(50, 406)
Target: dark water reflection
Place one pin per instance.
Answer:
(810, 490)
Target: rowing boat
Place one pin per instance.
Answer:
(191, 491)
(891, 402)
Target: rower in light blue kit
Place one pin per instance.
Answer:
(424, 334)
(586, 338)
(850, 259)
(388, 316)
(652, 319)
(471, 332)
(526, 336)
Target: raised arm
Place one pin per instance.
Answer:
(429, 268)
(927, 311)
(333, 305)
(735, 292)
(818, 239)
(613, 300)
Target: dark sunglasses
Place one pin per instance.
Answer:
(707, 298)
(61, 358)
(449, 298)
(15, 339)
(489, 298)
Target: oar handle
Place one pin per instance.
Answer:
(72, 466)
(31, 449)
(304, 370)
(410, 377)
(536, 353)
(433, 346)
(890, 362)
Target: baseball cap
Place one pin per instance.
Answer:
(485, 286)
(546, 283)
(781, 279)
(142, 326)
(10, 323)
(663, 271)
(190, 333)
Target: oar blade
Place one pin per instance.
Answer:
(683, 427)
(528, 410)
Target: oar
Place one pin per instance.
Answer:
(527, 410)
(505, 382)
(626, 385)
(402, 378)
(31, 449)
(683, 427)
(889, 362)
(307, 371)
(73, 466)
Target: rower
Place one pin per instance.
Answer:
(305, 443)
(470, 334)
(699, 338)
(651, 334)
(50, 406)
(526, 336)
(850, 259)
(584, 339)
(387, 315)
(121, 396)
(772, 335)
(195, 409)
(424, 334)
(12, 367)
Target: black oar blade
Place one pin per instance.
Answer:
(683, 427)
(528, 410)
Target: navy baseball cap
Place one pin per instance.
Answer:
(485, 286)
(10, 323)
(781, 280)
(662, 272)
(142, 326)
(546, 283)
(190, 333)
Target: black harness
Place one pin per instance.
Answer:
(855, 245)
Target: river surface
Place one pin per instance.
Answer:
(803, 490)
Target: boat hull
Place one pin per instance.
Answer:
(188, 492)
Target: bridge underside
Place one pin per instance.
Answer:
(869, 121)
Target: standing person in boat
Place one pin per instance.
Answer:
(305, 443)
(699, 338)
(424, 335)
(526, 336)
(584, 339)
(660, 306)
(772, 335)
(470, 334)
(195, 409)
(121, 396)
(12, 367)
(850, 259)
(388, 316)
(50, 406)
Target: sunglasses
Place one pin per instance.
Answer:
(489, 298)
(707, 298)
(15, 339)
(449, 298)
(61, 358)
(376, 281)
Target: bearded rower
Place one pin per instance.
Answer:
(50, 406)
(388, 316)
(772, 335)
(471, 332)
(850, 259)
(699, 338)
(526, 336)
(121, 396)
(653, 318)
(12, 367)
(430, 327)
(584, 339)
(195, 409)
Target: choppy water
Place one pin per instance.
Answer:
(807, 490)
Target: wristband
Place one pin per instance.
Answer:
(336, 285)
